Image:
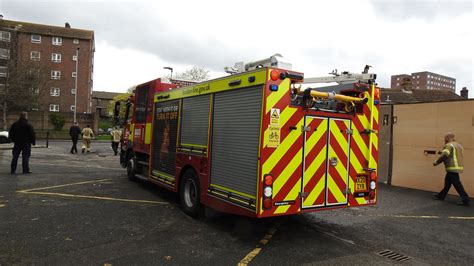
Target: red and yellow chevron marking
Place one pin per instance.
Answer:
(300, 162)
(338, 151)
(314, 176)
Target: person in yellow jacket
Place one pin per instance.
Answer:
(452, 157)
(87, 135)
(116, 135)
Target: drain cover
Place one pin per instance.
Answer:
(390, 254)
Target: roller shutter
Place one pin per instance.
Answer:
(195, 121)
(235, 141)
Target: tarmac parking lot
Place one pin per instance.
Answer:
(82, 209)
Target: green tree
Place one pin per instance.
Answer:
(57, 120)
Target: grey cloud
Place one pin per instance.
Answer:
(127, 25)
(397, 10)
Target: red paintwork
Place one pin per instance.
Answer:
(155, 85)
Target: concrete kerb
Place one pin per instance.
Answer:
(9, 146)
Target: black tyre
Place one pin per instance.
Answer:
(190, 194)
(132, 168)
(3, 139)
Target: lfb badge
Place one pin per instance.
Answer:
(333, 161)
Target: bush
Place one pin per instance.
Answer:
(57, 120)
(104, 125)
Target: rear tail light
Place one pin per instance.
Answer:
(373, 176)
(372, 194)
(267, 192)
(267, 204)
(372, 185)
(268, 180)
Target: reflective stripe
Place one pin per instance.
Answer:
(455, 159)
(455, 168)
(446, 151)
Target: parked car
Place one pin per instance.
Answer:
(4, 137)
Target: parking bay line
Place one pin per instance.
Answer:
(36, 191)
(426, 217)
(93, 197)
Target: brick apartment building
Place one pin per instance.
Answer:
(423, 80)
(53, 50)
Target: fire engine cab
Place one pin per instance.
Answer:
(260, 142)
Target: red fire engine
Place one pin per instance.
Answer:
(256, 143)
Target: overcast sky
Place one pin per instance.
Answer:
(135, 40)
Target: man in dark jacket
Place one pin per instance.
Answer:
(23, 135)
(74, 132)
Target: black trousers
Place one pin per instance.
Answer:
(115, 147)
(453, 179)
(74, 144)
(25, 150)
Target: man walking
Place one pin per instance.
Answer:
(74, 132)
(452, 157)
(116, 135)
(23, 135)
(87, 135)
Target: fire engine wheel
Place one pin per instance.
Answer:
(190, 193)
(132, 169)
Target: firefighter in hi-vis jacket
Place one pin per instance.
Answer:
(452, 157)
(87, 135)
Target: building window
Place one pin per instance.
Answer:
(56, 58)
(75, 41)
(55, 74)
(35, 38)
(74, 58)
(57, 41)
(35, 55)
(73, 91)
(3, 71)
(35, 91)
(4, 53)
(72, 108)
(55, 92)
(54, 107)
(74, 74)
(35, 73)
(5, 36)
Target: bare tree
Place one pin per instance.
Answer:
(23, 79)
(193, 74)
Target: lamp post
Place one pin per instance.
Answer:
(170, 69)
(75, 85)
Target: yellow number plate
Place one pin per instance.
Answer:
(361, 183)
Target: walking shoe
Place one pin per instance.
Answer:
(463, 203)
(83, 150)
(27, 172)
(437, 197)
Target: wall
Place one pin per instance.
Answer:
(41, 121)
(421, 127)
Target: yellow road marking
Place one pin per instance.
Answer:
(64, 185)
(424, 216)
(35, 191)
(250, 256)
(92, 197)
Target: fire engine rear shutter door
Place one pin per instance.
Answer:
(235, 139)
(195, 123)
